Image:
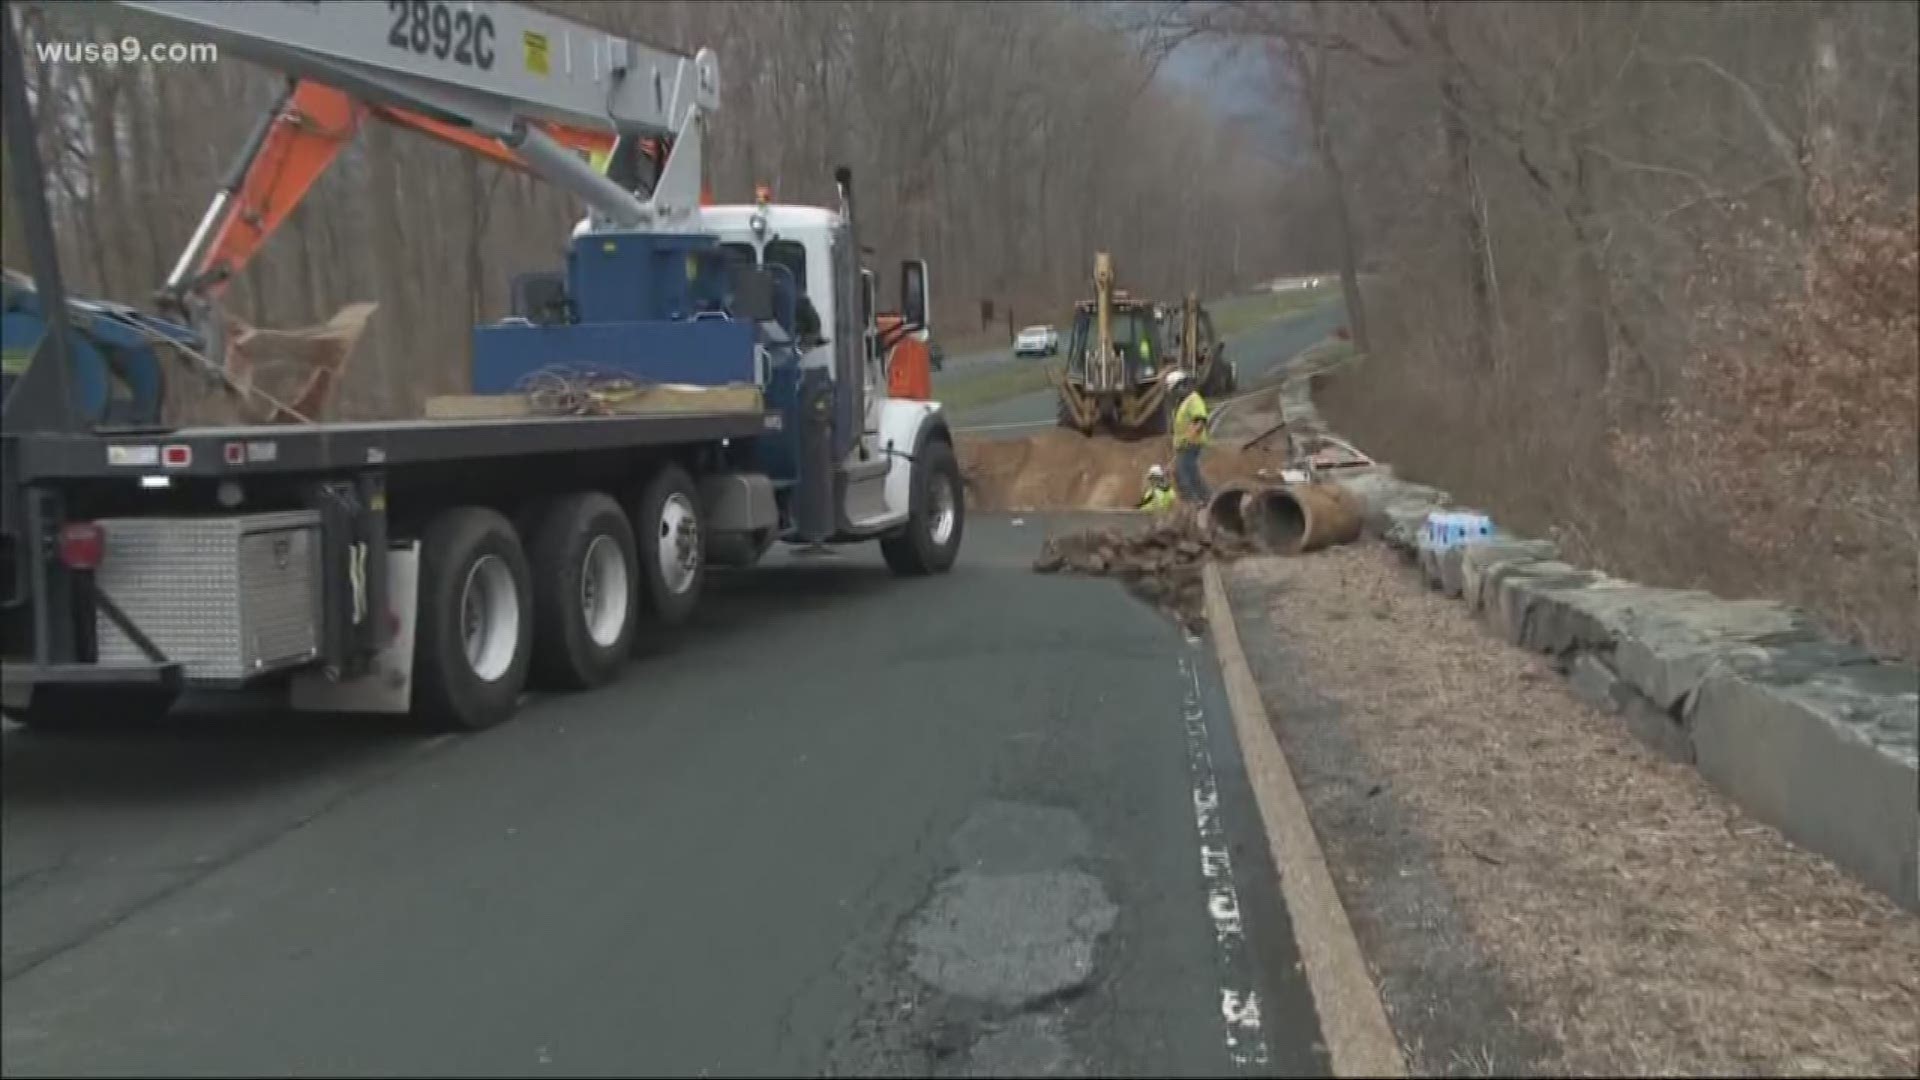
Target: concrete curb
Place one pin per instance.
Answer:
(1353, 1022)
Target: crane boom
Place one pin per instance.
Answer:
(522, 87)
(502, 71)
(492, 63)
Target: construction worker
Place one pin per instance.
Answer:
(1189, 435)
(1159, 494)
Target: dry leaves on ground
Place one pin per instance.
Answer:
(1650, 925)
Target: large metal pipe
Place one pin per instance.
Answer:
(1300, 518)
(1227, 510)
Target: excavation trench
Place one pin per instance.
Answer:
(1157, 557)
(1062, 470)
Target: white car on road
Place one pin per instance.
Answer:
(1037, 341)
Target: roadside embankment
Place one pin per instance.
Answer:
(1812, 736)
(1669, 833)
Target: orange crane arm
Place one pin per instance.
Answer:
(304, 134)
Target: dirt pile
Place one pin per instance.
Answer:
(1063, 470)
(1160, 564)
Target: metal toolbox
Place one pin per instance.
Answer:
(228, 598)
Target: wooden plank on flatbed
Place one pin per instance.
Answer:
(647, 400)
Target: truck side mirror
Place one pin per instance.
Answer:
(913, 294)
(867, 298)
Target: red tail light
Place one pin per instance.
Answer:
(82, 543)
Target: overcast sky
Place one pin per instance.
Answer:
(1235, 82)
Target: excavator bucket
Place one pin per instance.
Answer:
(292, 376)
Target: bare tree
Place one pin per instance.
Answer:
(1639, 273)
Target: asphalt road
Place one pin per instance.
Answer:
(1258, 351)
(849, 825)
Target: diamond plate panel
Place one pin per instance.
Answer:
(228, 597)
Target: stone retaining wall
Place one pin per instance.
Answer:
(1807, 733)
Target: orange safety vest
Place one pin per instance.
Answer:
(909, 364)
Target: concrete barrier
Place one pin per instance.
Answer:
(1828, 760)
(1804, 732)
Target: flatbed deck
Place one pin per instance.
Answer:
(218, 452)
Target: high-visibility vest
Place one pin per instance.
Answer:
(1157, 499)
(1191, 410)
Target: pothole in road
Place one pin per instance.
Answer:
(1011, 939)
(992, 974)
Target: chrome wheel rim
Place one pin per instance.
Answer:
(942, 514)
(679, 548)
(490, 617)
(604, 590)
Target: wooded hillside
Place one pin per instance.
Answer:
(1641, 274)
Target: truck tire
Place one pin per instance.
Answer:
(585, 592)
(936, 515)
(667, 527)
(475, 638)
(94, 710)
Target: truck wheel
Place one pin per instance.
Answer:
(667, 525)
(77, 710)
(585, 592)
(936, 516)
(475, 639)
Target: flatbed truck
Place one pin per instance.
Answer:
(440, 567)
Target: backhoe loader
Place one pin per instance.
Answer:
(1201, 350)
(1117, 359)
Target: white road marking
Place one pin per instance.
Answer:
(1353, 1022)
(1239, 1007)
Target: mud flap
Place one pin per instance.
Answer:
(387, 687)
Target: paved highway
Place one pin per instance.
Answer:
(850, 825)
(1257, 351)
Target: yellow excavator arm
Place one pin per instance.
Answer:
(1103, 306)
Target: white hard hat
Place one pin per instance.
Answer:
(1155, 472)
(1175, 377)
